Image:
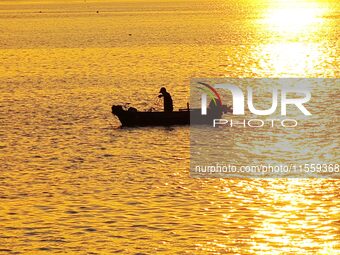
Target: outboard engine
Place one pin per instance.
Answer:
(117, 109)
(132, 109)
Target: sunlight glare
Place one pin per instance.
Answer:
(293, 17)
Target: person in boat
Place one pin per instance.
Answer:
(216, 107)
(168, 106)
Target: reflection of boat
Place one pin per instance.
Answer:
(132, 117)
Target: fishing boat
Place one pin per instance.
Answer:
(131, 117)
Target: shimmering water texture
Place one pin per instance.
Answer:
(73, 182)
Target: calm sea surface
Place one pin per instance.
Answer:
(73, 182)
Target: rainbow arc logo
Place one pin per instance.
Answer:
(211, 92)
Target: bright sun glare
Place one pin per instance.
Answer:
(297, 23)
(294, 16)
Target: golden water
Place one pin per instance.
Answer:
(72, 184)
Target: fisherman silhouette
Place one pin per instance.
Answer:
(215, 107)
(168, 106)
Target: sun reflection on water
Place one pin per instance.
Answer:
(288, 59)
(296, 46)
(293, 16)
(288, 228)
(292, 220)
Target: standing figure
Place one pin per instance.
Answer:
(168, 106)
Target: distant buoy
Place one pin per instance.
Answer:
(130, 34)
(97, 11)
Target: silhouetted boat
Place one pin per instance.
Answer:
(131, 117)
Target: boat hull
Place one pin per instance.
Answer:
(132, 118)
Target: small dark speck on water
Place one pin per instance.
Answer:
(44, 249)
(90, 229)
(71, 212)
(5, 250)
